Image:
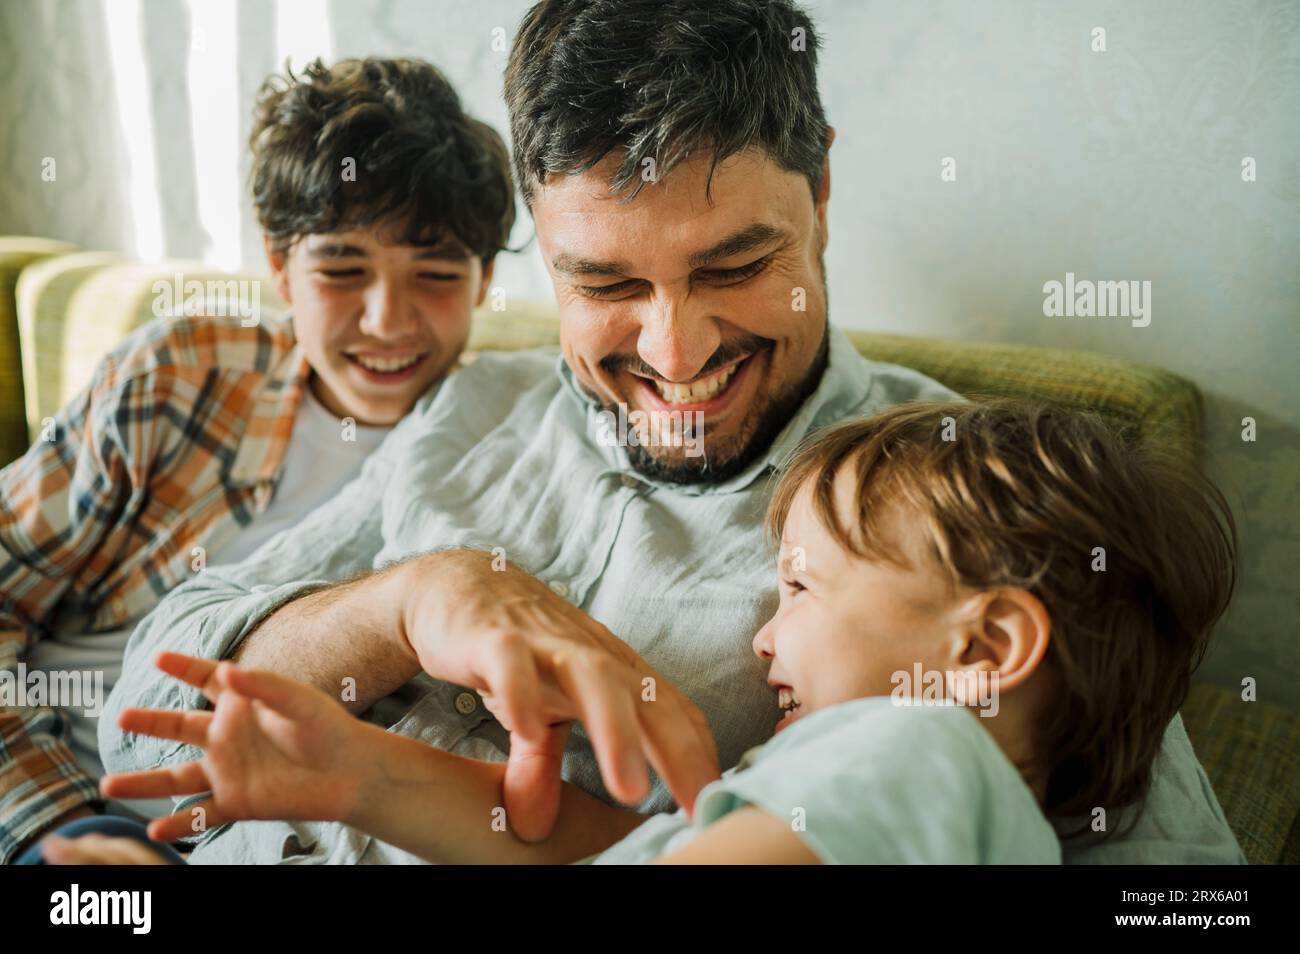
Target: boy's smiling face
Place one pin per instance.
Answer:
(379, 322)
(846, 624)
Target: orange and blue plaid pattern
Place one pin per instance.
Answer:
(174, 446)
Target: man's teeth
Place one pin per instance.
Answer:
(386, 365)
(787, 700)
(700, 390)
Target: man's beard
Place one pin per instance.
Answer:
(721, 462)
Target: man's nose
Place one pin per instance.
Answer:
(763, 642)
(675, 341)
(387, 314)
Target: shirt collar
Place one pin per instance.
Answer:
(843, 388)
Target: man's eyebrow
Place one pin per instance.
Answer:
(747, 239)
(575, 265)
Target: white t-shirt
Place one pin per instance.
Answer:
(323, 455)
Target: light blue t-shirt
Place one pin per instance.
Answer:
(871, 782)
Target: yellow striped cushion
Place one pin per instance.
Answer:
(73, 309)
(16, 253)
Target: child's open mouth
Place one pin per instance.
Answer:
(788, 702)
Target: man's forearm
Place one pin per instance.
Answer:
(449, 809)
(350, 631)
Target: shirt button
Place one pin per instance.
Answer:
(466, 703)
(560, 590)
(630, 482)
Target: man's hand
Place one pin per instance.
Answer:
(540, 663)
(273, 749)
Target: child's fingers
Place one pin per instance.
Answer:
(191, 670)
(188, 727)
(286, 696)
(186, 779)
(531, 786)
(192, 821)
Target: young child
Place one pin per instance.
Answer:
(989, 613)
(383, 206)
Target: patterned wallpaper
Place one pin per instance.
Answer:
(1111, 165)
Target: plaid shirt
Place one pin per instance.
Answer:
(175, 444)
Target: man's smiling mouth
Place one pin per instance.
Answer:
(699, 390)
(702, 391)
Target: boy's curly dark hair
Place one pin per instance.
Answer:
(421, 164)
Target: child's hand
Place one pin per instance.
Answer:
(273, 749)
(98, 850)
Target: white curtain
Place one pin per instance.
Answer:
(126, 121)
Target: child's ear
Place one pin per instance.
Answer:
(279, 263)
(485, 282)
(1009, 632)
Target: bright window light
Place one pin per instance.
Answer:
(214, 126)
(135, 109)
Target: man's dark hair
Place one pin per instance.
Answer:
(663, 79)
(420, 162)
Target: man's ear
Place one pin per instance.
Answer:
(824, 192)
(1008, 631)
(486, 281)
(279, 263)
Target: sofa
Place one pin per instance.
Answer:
(62, 308)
